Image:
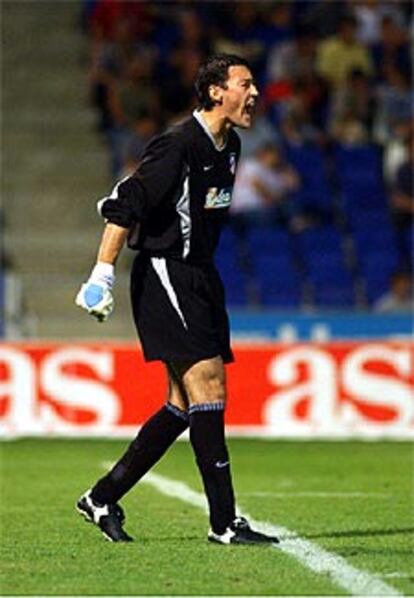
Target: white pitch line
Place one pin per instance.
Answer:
(318, 560)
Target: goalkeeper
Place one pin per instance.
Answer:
(171, 211)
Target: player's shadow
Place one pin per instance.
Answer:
(360, 533)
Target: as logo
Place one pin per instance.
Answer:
(216, 198)
(232, 161)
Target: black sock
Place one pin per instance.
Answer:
(152, 441)
(208, 441)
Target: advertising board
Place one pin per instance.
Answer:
(300, 390)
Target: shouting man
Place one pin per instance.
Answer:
(171, 210)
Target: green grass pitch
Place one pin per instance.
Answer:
(352, 499)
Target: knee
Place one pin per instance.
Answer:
(208, 388)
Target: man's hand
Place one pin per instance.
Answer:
(95, 295)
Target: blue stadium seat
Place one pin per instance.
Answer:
(408, 243)
(229, 267)
(278, 281)
(323, 256)
(234, 281)
(320, 240)
(268, 240)
(359, 174)
(309, 161)
(368, 219)
(377, 268)
(334, 296)
(364, 158)
(376, 286)
(373, 239)
(227, 241)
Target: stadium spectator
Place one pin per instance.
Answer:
(330, 72)
(402, 203)
(278, 25)
(293, 58)
(342, 53)
(394, 103)
(177, 94)
(368, 15)
(262, 191)
(296, 122)
(131, 98)
(392, 49)
(105, 16)
(399, 298)
(322, 20)
(241, 32)
(352, 110)
(142, 130)
(260, 133)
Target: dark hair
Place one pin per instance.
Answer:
(215, 72)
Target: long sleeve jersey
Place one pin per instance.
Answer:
(179, 195)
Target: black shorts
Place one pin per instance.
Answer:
(179, 310)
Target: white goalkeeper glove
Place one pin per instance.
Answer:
(95, 295)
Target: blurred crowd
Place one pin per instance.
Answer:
(326, 70)
(329, 73)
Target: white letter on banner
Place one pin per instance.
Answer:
(76, 392)
(379, 389)
(320, 388)
(20, 392)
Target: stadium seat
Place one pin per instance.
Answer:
(234, 281)
(268, 240)
(323, 256)
(278, 281)
(334, 296)
(353, 158)
(315, 194)
(376, 268)
(228, 262)
(360, 179)
(320, 240)
(408, 243)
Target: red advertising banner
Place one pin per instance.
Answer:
(327, 390)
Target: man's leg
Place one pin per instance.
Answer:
(205, 385)
(151, 443)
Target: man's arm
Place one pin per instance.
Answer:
(129, 203)
(112, 241)
(95, 296)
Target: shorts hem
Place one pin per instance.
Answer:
(226, 357)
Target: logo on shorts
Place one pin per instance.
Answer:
(216, 198)
(232, 160)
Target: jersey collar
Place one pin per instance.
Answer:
(202, 122)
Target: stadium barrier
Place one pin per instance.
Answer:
(301, 390)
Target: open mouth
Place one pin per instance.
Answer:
(249, 108)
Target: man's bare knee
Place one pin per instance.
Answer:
(205, 381)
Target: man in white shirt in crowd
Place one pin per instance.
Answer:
(263, 188)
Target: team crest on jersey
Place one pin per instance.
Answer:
(232, 160)
(217, 198)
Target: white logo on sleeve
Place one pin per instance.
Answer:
(209, 167)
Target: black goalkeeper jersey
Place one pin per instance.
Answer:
(179, 195)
